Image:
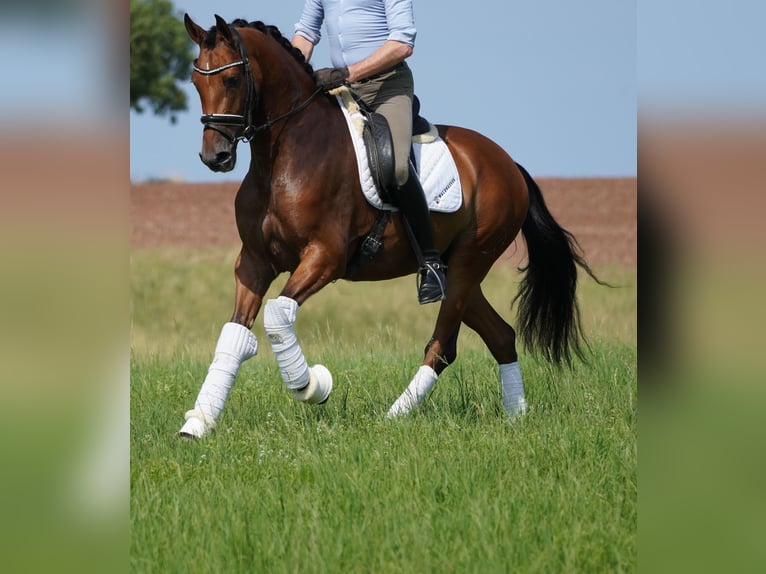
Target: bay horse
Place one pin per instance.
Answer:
(300, 210)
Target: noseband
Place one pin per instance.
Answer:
(247, 130)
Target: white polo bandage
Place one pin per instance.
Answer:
(278, 318)
(235, 345)
(319, 387)
(416, 391)
(512, 388)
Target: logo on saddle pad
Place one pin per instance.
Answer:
(374, 157)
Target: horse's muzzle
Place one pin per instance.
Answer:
(220, 160)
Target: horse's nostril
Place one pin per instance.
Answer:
(222, 157)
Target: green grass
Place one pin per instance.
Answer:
(456, 487)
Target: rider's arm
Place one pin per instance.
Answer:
(304, 45)
(308, 30)
(385, 57)
(398, 47)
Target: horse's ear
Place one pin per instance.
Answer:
(196, 33)
(224, 30)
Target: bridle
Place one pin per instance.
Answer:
(247, 130)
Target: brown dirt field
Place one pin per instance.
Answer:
(600, 212)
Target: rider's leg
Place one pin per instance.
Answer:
(392, 98)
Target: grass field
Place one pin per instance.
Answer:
(457, 487)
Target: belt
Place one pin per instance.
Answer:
(379, 75)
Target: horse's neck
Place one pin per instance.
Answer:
(289, 101)
(285, 83)
(282, 97)
(286, 87)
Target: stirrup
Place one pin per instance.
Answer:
(431, 282)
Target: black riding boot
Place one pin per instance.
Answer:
(432, 283)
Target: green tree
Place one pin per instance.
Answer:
(160, 57)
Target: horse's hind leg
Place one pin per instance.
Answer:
(441, 351)
(500, 338)
(427, 375)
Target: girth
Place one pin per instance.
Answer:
(370, 246)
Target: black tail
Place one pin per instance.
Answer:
(549, 316)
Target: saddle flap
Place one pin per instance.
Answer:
(380, 152)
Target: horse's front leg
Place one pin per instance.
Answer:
(235, 345)
(312, 384)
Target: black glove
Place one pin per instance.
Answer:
(331, 78)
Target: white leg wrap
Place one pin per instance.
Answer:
(235, 345)
(416, 391)
(513, 389)
(319, 387)
(278, 318)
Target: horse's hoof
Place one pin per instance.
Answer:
(319, 387)
(195, 426)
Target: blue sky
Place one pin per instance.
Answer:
(552, 81)
(702, 58)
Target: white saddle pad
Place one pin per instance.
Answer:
(436, 168)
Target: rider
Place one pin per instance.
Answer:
(369, 41)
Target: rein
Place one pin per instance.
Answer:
(244, 122)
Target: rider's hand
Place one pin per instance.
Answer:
(331, 78)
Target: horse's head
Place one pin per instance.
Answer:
(223, 78)
(245, 72)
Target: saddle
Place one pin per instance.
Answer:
(380, 150)
(378, 142)
(376, 135)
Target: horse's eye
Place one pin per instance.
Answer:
(232, 82)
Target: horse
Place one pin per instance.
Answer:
(300, 210)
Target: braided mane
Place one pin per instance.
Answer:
(269, 30)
